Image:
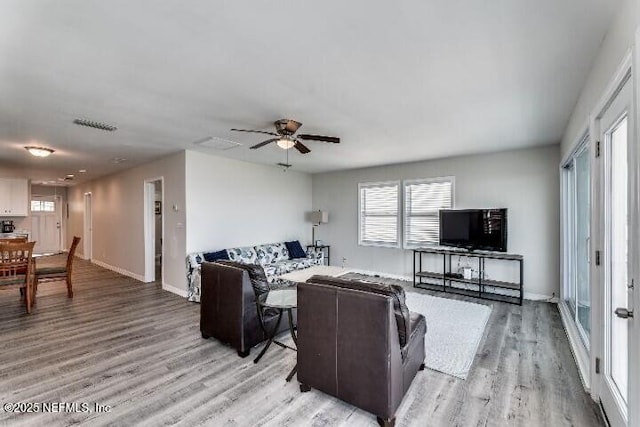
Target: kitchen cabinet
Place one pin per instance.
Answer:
(14, 197)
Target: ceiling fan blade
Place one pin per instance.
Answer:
(263, 143)
(306, 137)
(303, 149)
(254, 131)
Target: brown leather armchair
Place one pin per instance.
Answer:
(357, 341)
(228, 309)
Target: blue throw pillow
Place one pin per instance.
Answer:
(295, 250)
(215, 256)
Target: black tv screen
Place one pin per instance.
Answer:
(484, 229)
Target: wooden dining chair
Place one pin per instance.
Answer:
(58, 273)
(14, 240)
(16, 269)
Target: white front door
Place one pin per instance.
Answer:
(45, 224)
(616, 131)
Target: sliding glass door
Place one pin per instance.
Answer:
(576, 207)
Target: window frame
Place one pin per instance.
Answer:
(42, 203)
(405, 214)
(398, 243)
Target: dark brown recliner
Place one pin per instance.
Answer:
(228, 309)
(357, 341)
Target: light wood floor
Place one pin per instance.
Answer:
(138, 349)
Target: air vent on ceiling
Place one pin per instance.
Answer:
(95, 125)
(217, 143)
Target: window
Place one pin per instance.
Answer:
(42, 206)
(423, 200)
(379, 219)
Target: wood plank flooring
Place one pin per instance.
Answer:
(138, 349)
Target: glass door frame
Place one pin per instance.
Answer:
(578, 339)
(599, 389)
(569, 206)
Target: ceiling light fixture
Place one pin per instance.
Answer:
(95, 125)
(82, 170)
(118, 160)
(285, 143)
(39, 151)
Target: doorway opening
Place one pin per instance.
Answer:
(88, 227)
(154, 229)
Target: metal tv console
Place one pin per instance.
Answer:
(478, 287)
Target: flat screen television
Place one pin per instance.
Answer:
(474, 229)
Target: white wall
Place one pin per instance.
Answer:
(233, 203)
(524, 181)
(118, 219)
(617, 42)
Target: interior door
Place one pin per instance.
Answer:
(616, 130)
(45, 224)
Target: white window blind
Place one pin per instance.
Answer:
(379, 214)
(423, 200)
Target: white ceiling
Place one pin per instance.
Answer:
(397, 81)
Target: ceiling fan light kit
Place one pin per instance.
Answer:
(284, 136)
(285, 143)
(39, 151)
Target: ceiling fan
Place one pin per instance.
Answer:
(285, 138)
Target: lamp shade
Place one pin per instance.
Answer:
(319, 217)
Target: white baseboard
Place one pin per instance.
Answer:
(540, 297)
(175, 290)
(578, 350)
(119, 270)
(527, 295)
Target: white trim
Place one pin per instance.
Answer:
(581, 353)
(634, 211)
(531, 296)
(174, 290)
(87, 230)
(615, 84)
(149, 228)
(118, 270)
(624, 73)
(577, 142)
(578, 350)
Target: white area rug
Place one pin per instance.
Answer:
(454, 331)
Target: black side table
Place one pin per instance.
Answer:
(282, 300)
(322, 248)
